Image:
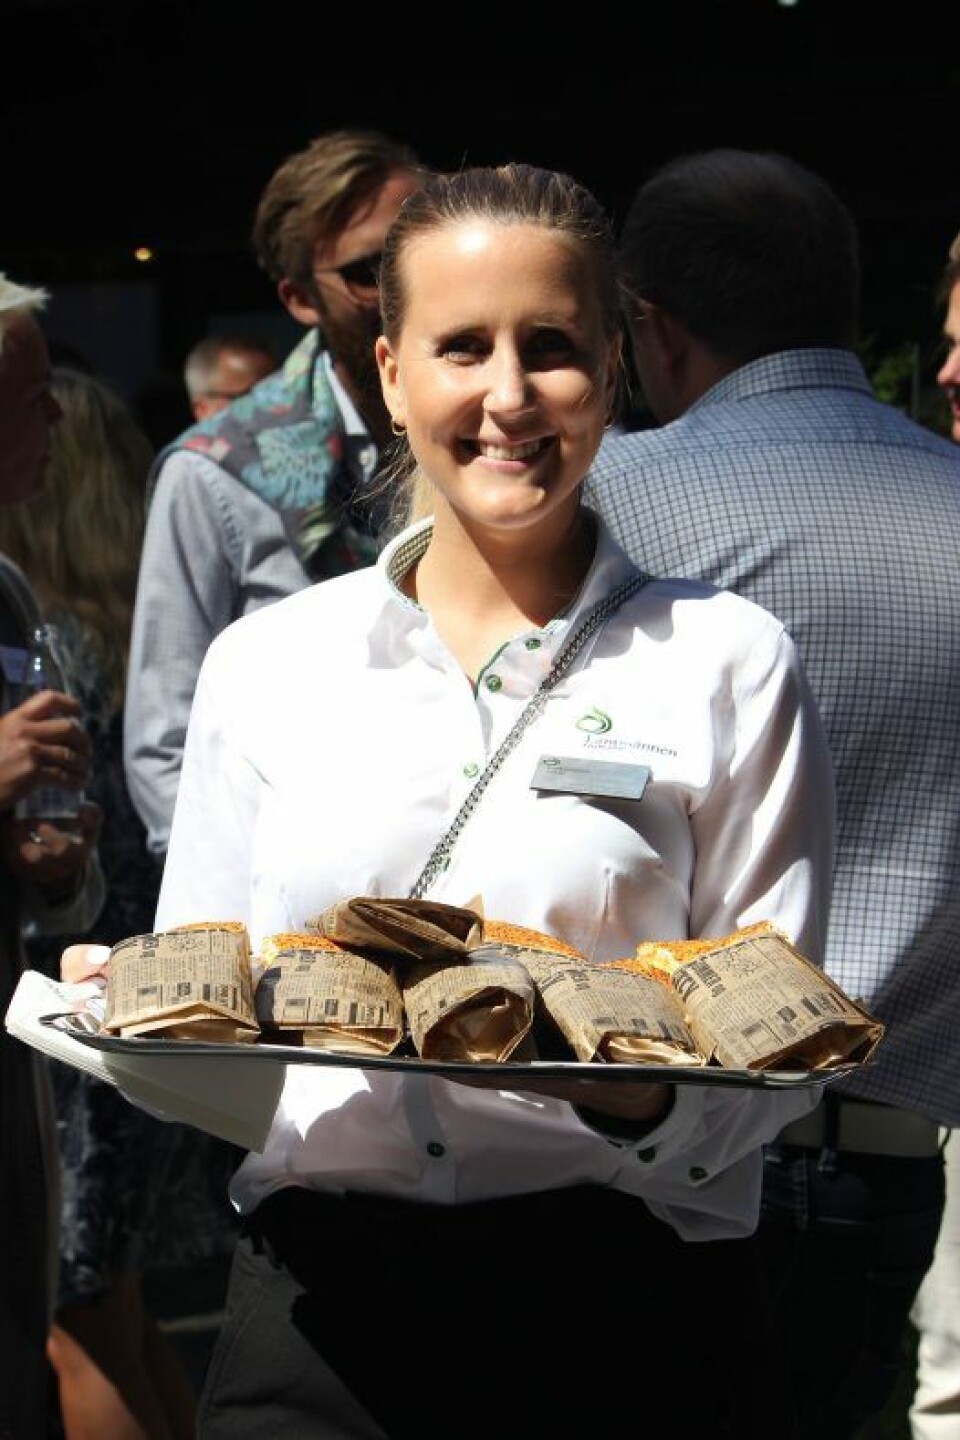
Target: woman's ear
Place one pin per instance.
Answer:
(390, 380)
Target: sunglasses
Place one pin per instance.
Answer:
(360, 274)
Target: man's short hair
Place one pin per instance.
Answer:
(313, 193)
(753, 252)
(201, 362)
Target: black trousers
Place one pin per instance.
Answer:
(568, 1312)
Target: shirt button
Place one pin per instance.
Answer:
(697, 1172)
(647, 1155)
(494, 682)
(471, 769)
(533, 643)
(435, 1149)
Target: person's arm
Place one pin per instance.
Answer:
(61, 884)
(209, 861)
(765, 845)
(57, 871)
(764, 842)
(186, 594)
(764, 831)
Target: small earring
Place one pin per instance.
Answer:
(396, 427)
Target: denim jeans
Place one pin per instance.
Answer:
(845, 1239)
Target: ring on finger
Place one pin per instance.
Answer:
(35, 838)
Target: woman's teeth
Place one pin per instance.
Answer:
(509, 452)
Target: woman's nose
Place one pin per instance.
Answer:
(949, 372)
(508, 383)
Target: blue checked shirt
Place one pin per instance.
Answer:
(790, 483)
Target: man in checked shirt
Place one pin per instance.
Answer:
(935, 1412)
(773, 471)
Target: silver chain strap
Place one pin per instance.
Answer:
(440, 856)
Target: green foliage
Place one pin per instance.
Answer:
(893, 375)
(901, 377)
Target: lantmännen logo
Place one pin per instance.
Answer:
(595, 722)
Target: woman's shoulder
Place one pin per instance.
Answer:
(719, 629)
(712, 601)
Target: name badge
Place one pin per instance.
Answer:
(573, 775)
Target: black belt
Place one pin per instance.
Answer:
(865, 1127)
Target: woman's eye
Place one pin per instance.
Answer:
(551, 344)
(461, 348)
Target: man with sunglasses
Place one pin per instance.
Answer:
(273, 492)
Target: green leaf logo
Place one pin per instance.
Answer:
(595, 722)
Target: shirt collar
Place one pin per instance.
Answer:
(789, 370)
(609, 568)
(352, 423)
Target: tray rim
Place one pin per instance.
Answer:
(145, 1046)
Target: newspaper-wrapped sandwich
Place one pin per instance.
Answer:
(313, 991)
(753, 1002)
(412, 929)
(189, 983)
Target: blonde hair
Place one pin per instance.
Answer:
(17, 301)
(79, 541)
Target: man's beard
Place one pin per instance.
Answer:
(352, 347)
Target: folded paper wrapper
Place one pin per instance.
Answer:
(190, 983)
(372, 974)
(417, 929)
(316, 992)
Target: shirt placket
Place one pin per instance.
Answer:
(504, 685)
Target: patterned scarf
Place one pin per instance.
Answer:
(284, 440)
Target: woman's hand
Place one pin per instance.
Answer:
(51, 859)
(627, 1100)
(84, 962)
(632, 1103)
(42, 743)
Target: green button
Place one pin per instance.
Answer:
(494, 682)
(470, 770)
(647, 1155)
(697, 1172)
(533, 643)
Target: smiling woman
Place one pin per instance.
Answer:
(491, 632)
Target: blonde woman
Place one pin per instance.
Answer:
(48, 880)
(420, 1258)
(78, 541)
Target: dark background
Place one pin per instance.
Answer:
(158, 124)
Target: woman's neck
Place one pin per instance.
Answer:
(480, 594)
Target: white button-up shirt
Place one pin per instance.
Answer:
(333, 739)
